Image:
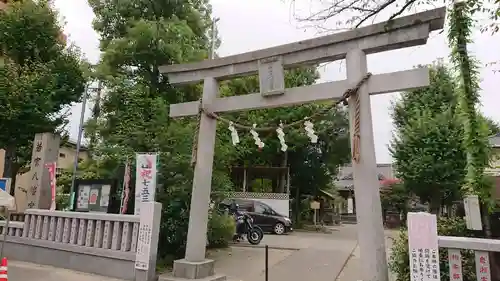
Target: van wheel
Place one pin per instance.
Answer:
(279, 228)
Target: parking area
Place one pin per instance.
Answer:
(293, 257)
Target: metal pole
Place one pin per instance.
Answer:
(267, 263)
(78, 144)
(214, 33)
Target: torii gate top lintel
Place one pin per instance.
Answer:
(402, 32)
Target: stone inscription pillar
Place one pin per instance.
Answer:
(45, 150)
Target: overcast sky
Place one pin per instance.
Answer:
(247, 25)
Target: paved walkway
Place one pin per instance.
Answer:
(353, 267)
(22, 271)
(294, 257)
(297, 257)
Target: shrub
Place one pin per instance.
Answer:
(175, 201)
(221, 228)
(399, 262)
(62, 201)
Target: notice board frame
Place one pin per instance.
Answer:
(92, 184)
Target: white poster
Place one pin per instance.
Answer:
(144, 237)
(350, 206)
(105, 189)
(145, 179)
(423, 246)
(82, 201)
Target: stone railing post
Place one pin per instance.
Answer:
(147, 241)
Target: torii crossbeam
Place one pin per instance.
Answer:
(270, 63)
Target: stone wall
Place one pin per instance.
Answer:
(104, 244)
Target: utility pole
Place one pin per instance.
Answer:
(79, 142)
(96, 111)
(214, 37)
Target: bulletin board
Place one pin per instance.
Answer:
(96, 196)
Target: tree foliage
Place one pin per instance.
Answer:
(475, 132)
(395, 198)
(427, 146)
(39, 77)
(138, 36)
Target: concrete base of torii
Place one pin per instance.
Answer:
(185, 270)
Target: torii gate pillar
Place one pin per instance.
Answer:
(366, 185)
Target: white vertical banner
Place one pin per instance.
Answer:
(423, 247)
(145, 179)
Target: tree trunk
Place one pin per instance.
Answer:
(96, 113)
(15, 171)
(283, 178)
(297, 205)
(8, 168)
(435, 205)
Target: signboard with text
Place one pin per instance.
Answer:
(423, 247)
(482, 261)
(145, 179)
(144, 237)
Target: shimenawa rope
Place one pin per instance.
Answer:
(344, 99)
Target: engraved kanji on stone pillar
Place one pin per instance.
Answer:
(45, 150)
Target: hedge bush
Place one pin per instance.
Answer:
(221, 228)
(399, 262)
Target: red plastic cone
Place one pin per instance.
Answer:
(3, 270)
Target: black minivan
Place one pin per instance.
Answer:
(263, 215)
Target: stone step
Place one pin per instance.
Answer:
(170, 277)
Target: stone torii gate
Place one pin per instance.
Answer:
(270, 63)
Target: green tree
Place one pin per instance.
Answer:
(492, 125)
(138, 37)
(394, 197)
(427, 146)
(39, 77)
(475, 131)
